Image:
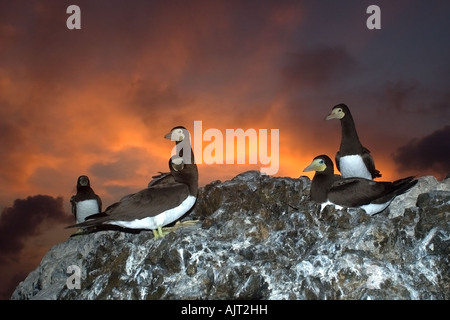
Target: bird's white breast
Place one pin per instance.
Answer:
(86, 208)
(374, 208)
(353, 166)
(370, 209)
(324, 204)
(160, 220)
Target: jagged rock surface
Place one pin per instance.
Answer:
(260, 237)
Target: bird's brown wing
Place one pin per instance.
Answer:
(164, 178)
(370, 164)
(355, 192)
(148, 202)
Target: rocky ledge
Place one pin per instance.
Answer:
(259, 237)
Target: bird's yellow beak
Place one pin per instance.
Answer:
(316, 165)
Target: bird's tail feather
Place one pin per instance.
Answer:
(404, 184)
(92, 221)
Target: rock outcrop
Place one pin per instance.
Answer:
(259, 237)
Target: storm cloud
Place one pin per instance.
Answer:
(431, 152)
(25, 219)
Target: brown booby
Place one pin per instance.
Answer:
(372, 196)
(154, 207)
(85, 202)
(352, 159)
(181, 136)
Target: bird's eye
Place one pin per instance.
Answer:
(339, 110)
(321, 161)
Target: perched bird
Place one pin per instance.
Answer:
(352, 159)
(85, 202)
(372, 196)
(154, 207)
(180, 135)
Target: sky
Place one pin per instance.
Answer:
(98, 100)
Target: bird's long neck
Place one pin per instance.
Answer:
(183, 149)
(188, 176)
(193, 185)
(320, 185)
(349, 136)
(87, 190)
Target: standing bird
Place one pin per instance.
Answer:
(181, 136)
(352, 159)
(156, 206)
(372, 196)
(85, 202)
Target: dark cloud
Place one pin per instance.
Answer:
(319, 66)
(10, 286)
(428, 153)
(24, 219)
